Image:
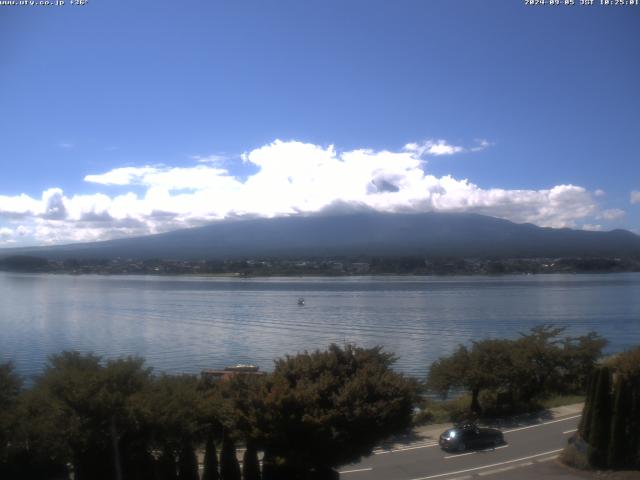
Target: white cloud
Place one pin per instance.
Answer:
(599, 193)
(592, 228)
(120, 176)
(634, 197)
(5, 233)
(482, 144)
(292, 178)
(433, 147)
(214, 158)
(612, 214)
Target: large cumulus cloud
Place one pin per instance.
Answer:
(292, 178)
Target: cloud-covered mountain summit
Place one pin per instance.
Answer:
(357, 234)
(282, 179)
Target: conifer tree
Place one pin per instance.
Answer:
(229, 467)
(210, 460)
(601, 418)
(618, 443)
(268, 466)
(187, 463)
(587, 412)
(250, 465)
(166, 466)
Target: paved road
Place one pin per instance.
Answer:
(526, 447)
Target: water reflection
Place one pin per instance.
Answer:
(185, 324)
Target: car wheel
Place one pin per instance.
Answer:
(462, 447)
(498, 441)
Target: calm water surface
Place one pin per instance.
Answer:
(185, 324)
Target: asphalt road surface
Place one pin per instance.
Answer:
(527, 446)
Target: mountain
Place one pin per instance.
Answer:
(366, 234)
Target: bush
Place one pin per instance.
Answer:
(457, 409)
(422, 417)
(574, 457)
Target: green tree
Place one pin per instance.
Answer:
(587, 412)
(229, 466)
(10, 388)
(70, 385)
(627, 363)
(523, 370)
(187, 463)
(485, 366)
(538, 357)
(171, 411)
(601, 419)
(84, 413)
(250, 465)
(328, 408)
(210, 460)
(579, 358)
(619, 445)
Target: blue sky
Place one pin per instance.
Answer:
(125, 118)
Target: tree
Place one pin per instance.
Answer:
(601, 420)
(10, 387)
(171, 410)
(587, 412)
(71, 383)
(122, 379)
(85, 413)
(485, 366)
(522, 370)
(611, 417)
(627, 363)
(579, 359)
(187, 463)
(250, 465)
(619, 445)
(210, 460)
(229, 467)
(328, 408)
(537, 362)
(449, 372)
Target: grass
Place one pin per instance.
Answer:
(561, 400)
(434, 411)
(457, 409)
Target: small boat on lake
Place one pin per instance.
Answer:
(301, 301)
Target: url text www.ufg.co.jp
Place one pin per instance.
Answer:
(42, 3)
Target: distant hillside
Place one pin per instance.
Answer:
(366, 234)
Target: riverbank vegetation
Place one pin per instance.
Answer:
(102, 420)
(322, 266)
(507, 376)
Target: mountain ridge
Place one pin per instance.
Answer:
(356, 234)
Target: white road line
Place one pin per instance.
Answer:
(356, 471)
(489, 466)
(569, 431)
(405, 449)
(477, 451)
(547, 459)
(497, 470)
(409, 445)
(542, 424)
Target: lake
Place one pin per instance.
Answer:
(186, 324)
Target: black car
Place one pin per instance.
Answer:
(470, 436)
